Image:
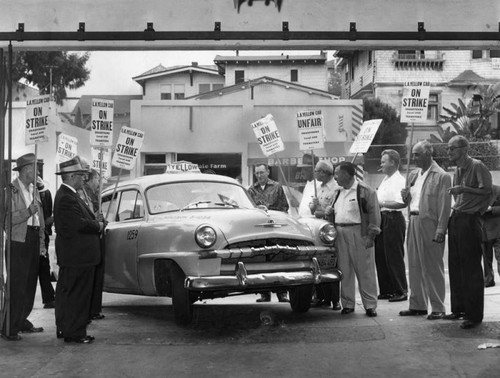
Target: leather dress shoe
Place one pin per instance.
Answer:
(322, 303)
(346, 311)
(489, 284)
(97, 316)
(336, 306)
(79, 340)
(385, 296)
(411, 312)
(32, 330)
(435, 315)
(454, 316)
(468, 324)
(371, 312)
(49, 305)
(15, 337)
(398, 298)
(59, 334)
(264, 298)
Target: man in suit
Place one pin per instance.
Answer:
(27, 244)
(48, 293)
(430, 206)
(78, 253)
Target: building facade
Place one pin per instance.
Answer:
(453, 74)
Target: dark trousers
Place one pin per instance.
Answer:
(464, 265)
(390, 254)
(489, 274)
(329, 292)
(48, 293)
(96, 303)
(73, 296)
(23, 279)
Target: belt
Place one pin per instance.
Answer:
(347, 224)
(414, 213)
(36, 228)
(390, 212)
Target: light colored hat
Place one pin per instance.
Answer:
(70, 166)
(24, 160)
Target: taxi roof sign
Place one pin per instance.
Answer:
(182, 167)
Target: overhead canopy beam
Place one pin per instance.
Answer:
(235, 25)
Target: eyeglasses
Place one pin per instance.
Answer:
(80, 174)
(453, 148)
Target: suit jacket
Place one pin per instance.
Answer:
(20, 215)
(77, 231)
(435, 201)
(491, 218)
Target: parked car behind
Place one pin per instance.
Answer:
(193, 236)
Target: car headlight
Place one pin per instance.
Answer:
(205, 236)
(327, 233)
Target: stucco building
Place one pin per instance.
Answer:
(453, 75)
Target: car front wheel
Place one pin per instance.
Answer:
(182, 301)
(300, 298)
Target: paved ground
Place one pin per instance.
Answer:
(138, 338)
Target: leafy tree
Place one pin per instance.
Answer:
(391, 131)
(68, 71)
(473, 121)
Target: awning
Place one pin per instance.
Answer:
(336, 152)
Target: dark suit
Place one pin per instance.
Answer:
(78, 253)
(44, 278)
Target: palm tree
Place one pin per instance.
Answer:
(471, 120)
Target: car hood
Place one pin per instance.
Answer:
(242, 224)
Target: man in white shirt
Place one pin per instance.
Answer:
(326, 294)
(307, 172)
(389, 244)
(356, 214)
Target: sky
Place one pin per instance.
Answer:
(111, 72)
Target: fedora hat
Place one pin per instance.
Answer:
(24, 160)
(70, 166)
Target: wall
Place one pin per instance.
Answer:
(153, 85)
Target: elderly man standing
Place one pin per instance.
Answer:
(472, 188)
(27, 244)
(429, 212)
(268, 193)
(326, 294)
(356, 214)
(78, 253)
(389, 244)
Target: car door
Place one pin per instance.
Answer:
(125, 214)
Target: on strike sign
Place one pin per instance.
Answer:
(37, 120)
(267, 134)
(415, 101)
(66, 148)
(365, 137)
(310, 125)
(101, 131)
(127, 148)
(101, 161)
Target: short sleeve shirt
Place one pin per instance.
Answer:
(390, 189)
(473, 174)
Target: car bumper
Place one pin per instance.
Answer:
(242, 281)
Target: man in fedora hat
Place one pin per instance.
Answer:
(27, 244)
(78, 253)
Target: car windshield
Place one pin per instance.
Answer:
(183, 196)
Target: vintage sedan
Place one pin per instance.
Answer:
(193, 236)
